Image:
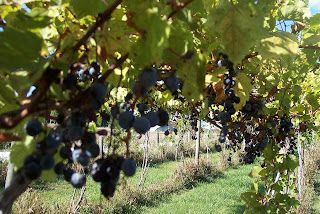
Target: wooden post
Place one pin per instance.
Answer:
(101, 145)
(158, 137)
(10, 172)
(198, 142)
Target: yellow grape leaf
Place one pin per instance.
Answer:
(115, 76)
(242, 89)
(214, 76)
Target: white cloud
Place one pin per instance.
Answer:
(314, 3)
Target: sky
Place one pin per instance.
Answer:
(314, 6)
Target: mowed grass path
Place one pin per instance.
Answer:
(220, 196)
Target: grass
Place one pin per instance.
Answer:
(221, 195)
(61, 191)
(164, 192)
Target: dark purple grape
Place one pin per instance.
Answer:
(78, 180)
(115, 110)
(172, 82)
(65, 152)
(128, 97)
(142, 108)
(33, 127)
(67, 174)
(32, 170)
(226, 81)
(70, 82)
(153, 118)
(59, 168)
(93, 150)
(148, 77)
(47, 161)
(75, 132)
(222, 139)
(108, 188)
(218, 148)
(141, 125)
(163, 117)
(98, 91)
(53, 140)
(129, 167)
(126, 119)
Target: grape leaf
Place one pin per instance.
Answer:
(242, 89)
(193, 74)
(278, 45)
(311, 39)
(238, 28)
(20, 150)
(18, 49)
(81, 8)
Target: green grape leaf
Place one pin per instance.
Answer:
(214, 76)
(112, 39)
(238, 28)
(50, 175)
(312, 100)
(149, 49)
(311, 39)
(35, 19)
(298, 11)
(20, 150)
(82, 8)
(255, 171)
(314, 22)
(242, 89)
(193, 74)
(279, 45)
(18, 49)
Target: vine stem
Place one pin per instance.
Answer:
(179, 7)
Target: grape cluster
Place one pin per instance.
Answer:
(107, 172)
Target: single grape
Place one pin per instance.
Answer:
(226, 81)
(108, 188)
(75, 132)
(47, 161)
(65, 152)
(78, 180)
(129, 167)
(163, 117)
(153, 118)
(70, 81)
(59, 168)
(233, 83)
(141, 125)
(148, 77)
(166, 133)
(218, 148)
(128, 97)
(222, 139)
(142, 108)
(126, 119)
(98, 91)
(32, 170)
(53, 140)
(93, 150)
(115, 111)
(138, 87)
(33, 127)
(172, 82)
(67, 174)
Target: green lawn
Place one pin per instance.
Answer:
(216, 195)
(220, 196)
